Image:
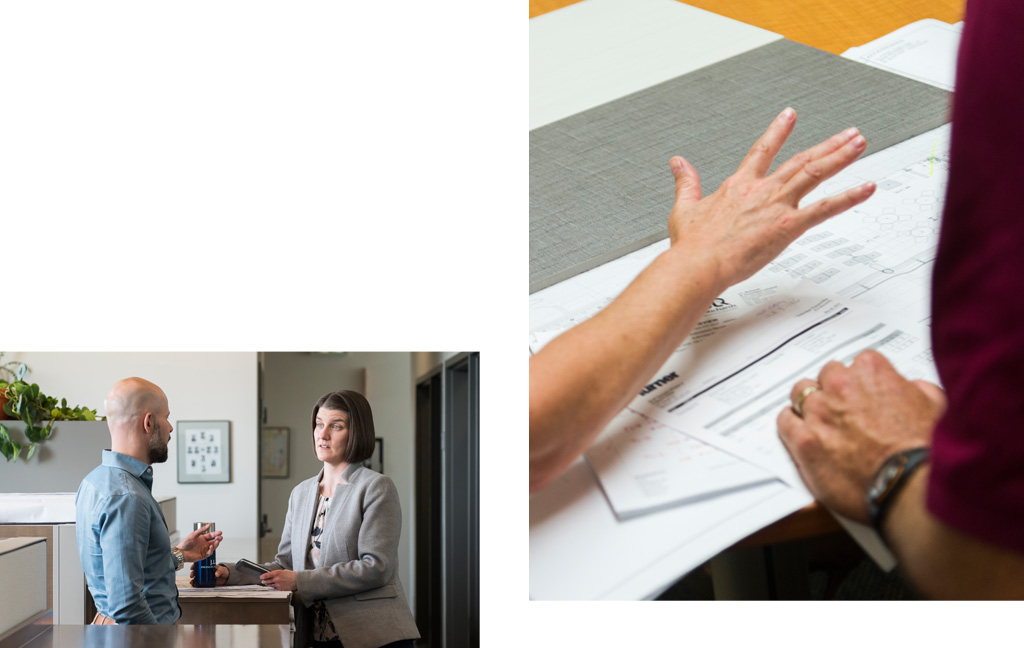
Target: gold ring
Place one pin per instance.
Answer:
(798, 403)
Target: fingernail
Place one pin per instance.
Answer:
(858, 142)
(676, 164)
(867, 187)
(786, 114)
(849, 132)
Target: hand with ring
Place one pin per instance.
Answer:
(798, 402)
(843, 426)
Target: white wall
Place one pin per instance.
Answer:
(199, 386)
(292, 382)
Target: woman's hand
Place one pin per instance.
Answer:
(753, 216)
(221, 575)
(582, 379)
(280, 579)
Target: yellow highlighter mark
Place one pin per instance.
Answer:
(931, 168)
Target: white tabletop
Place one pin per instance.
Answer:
(596, 51)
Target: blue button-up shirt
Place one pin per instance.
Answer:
(124, 543)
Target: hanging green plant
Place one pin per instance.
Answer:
(9, 372)
(37, 411)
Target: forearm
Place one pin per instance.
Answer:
(582, 379)
(126, 602)
(943, 562)
(235, 577)
(344, 579)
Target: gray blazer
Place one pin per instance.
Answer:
(359, 550)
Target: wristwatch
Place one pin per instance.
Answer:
(889, 479)
(179, 558)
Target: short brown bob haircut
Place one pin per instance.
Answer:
(361, 440)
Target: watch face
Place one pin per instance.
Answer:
(886, 475)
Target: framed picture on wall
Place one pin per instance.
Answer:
(376, 462)
(274, 451)
(204, 451)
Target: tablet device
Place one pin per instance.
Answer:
(250, 568)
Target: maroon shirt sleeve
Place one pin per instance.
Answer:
(977, 474)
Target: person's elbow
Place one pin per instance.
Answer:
(380, 572)
(133, 613)
(546, 463)
(550, 451)
(539, 479)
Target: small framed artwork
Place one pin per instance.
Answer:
(376, 462)
(274, 451)
(204, 451)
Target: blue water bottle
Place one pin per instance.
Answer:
(206, 569)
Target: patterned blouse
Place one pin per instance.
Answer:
(323, 627)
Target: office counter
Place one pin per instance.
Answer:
(23, 599)
(230, 605)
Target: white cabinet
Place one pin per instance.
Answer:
(23, 598)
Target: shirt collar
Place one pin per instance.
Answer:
(346, 474)
(131, 465)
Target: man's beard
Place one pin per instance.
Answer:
(157, 453)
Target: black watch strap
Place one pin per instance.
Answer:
(889, 480)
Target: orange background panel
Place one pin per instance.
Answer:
(833, 26)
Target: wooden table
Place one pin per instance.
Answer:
(809, 522)
(833, 25)
(231, 605)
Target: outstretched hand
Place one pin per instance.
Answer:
(582, 379)
(200, 544)
(753, 216)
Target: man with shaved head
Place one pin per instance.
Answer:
(123, 538)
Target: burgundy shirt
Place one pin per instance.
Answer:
(977, 474)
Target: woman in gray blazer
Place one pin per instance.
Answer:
(339, 546)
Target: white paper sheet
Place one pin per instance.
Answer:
(924, 50)
(881, 251)
(729, 395)
(579, 550)
(644, 465)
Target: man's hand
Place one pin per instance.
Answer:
(221, 575)
(280, 579)
(754, 216)
(199, 544)
(859, 416)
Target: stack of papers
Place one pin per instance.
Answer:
(924, 50)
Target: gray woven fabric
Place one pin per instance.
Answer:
(600, 185)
